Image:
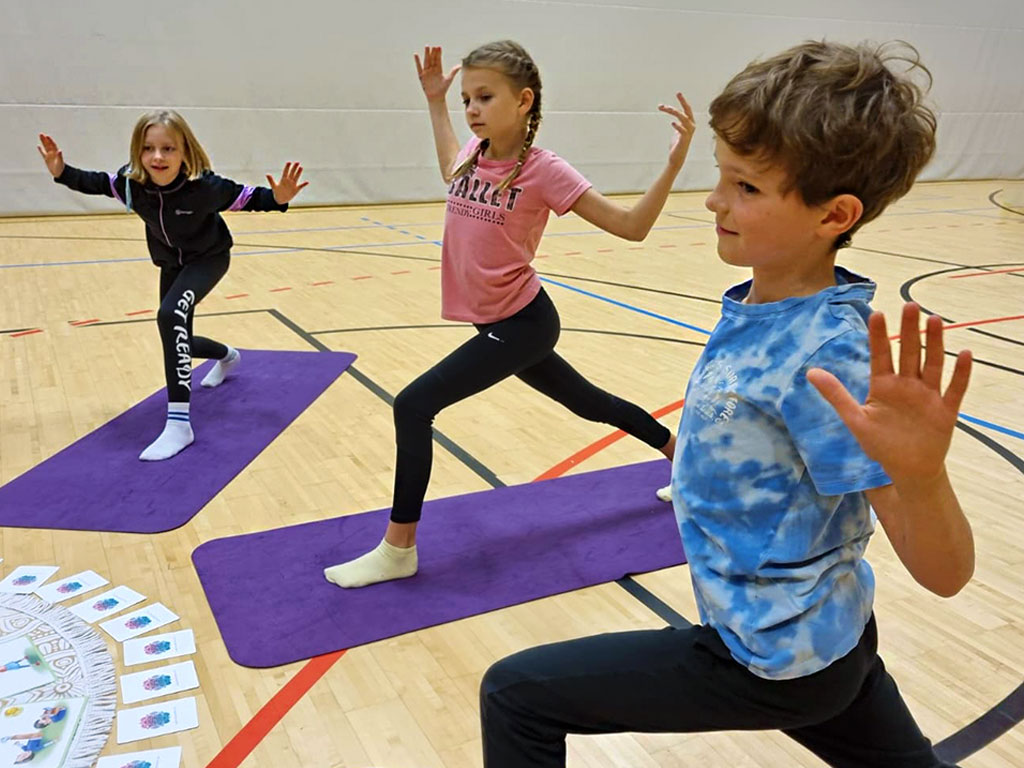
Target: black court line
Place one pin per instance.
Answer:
(978, 361)
(658, 606)
(466, 325)
(992, 199)
(440, 438)
(14, 330)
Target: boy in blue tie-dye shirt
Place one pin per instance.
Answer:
(777, 461)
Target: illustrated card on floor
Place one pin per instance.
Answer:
(152, 758)
(154, 720)
(159, 647)
(139, 622)
(22, 667)
(72, 586)
(162, 681)
(106, 604)
(40, 732)
(26, 578)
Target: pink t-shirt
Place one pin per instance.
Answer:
(490, 237)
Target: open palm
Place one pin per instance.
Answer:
(434, 81)
(906, 423)
(289, 186)
(51, 155)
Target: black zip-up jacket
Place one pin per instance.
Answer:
(183, 221)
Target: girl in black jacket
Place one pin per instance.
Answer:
(169, 183)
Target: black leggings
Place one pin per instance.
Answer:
(850, 714)
(522, 346)
(181, 289)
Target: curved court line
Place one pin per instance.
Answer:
(992, 199)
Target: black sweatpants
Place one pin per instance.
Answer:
(523, 346)
(850, 714)
(181, 289)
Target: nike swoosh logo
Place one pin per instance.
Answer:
(492, 336)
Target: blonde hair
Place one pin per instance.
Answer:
(837, 118)
(510, 59)
(193, 156)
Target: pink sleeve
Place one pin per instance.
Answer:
(562, 184)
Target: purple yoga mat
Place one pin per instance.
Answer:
(99, 484)
(478, 552)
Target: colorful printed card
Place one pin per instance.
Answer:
(106, 604)
(139, 622)
(159, 647)
(161, 681)
(40, 732)
(22, 668)
(154, 720)
(26, 578)
(72, 586)
(152, 758)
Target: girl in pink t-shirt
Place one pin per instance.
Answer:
(501, 191)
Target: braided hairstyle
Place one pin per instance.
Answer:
(512, 60)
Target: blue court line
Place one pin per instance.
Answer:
(964, 416)
(627, 306)
(990, 425)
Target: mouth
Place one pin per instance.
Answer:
(723, 231)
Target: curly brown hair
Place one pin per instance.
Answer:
(837, 118)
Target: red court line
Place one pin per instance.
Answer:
(572, 253)
(430, 268)
(668, 245)
(271, 713)
(83, 322)
(278, 290)
(984, 322)
(605, 250)
(362, 277)
(237, 296)
(26, 333)
(990, 272)
(402, 272)
(563, 466)
(139, 312)
(324, 282)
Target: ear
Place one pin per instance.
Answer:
(839, 215)
(525, 101)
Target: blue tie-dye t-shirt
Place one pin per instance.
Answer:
(767, 480)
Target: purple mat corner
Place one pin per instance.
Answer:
(478, 553)
(99, 484)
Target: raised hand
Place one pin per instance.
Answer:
(288, 187)
(907, 423)
(51, 155)
(434, 81)
(685, 127)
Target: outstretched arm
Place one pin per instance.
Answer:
(435, 84)
(906, 425)
(634, 223)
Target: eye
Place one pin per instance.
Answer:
(748, 188)
(465, 101)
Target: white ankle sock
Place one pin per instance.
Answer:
(222, 368)
(385, 563)
(177, 435)
(664, 494)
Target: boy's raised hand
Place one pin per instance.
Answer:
(434, 81)
(906, 423)
(289, 186)
(685, 127)
(51, 155)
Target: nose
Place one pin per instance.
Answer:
(713, 202)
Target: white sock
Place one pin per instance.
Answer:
(177, 434)
(385, 563)
(222, 368)
(665, 494)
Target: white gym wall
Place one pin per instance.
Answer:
(332, 83)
